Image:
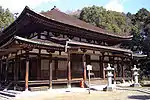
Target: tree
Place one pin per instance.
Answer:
(6, 18)
(110, 20)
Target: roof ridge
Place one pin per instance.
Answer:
(103, 31)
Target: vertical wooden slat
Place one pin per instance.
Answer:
(15, 71)
(19, 65)
(84, 67)
(69, 70)
(0, 70)
(39, 65)
(123, 74)
(103, 65)
(6, 69)
(132, 66)
(27, 71)
(114, 69)
(14, 67)
(56, 68)
(50, 71)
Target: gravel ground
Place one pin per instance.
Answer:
(121, 94)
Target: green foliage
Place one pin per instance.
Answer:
(6, 18)
(110, 20)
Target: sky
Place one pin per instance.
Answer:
(71, 5)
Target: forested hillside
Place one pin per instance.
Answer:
(116, 22)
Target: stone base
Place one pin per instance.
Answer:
(69, 85)
(136, 85)
(50, 88)
(108, 88)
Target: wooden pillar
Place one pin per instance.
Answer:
(84, 67)
(50, 71)
(2, 77)
(39, 65)
(56, 68)
(104, 76)
(123, 73)
(101, 66)
(14, 67)
(114, 70)
(6, 69)
(132, 66)
(0, 70)
(19, 65)
(27, 71)
(16, 70)
(69, 70)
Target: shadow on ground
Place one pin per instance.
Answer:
(139, 97)
(139, 90)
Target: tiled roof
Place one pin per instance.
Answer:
(59, 16)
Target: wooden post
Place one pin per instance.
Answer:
(132, 66)
(123, 74)
(14, 65)
(114, 70)
(2, 78)
(19, 65)
(6, 69)
(69, 70)
(84, 67)
(56, 68)
(103, 65)
(0, 70)
(15, 71)
(50, 71)
(27, 71)
(39, 65)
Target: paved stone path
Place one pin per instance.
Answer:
(128, 93)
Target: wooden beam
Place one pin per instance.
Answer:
(50, 71)
(27, 71)
(69, 70)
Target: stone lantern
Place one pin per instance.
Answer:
(135, 75)
(109, 70)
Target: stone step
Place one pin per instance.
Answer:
(9, 94)
(98, 82)
(3, 97)
(13, 92)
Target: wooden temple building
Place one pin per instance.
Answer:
(54, 48)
